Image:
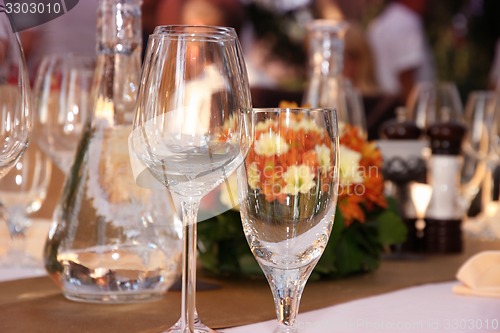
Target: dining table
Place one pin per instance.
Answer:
(411, 293)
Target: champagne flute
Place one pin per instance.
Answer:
(22, 192)
(14, 97)
(192, 127)
(288, 191)
(63, 100)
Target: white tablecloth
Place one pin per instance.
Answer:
(424, 309)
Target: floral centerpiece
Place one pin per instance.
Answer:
(366, 222)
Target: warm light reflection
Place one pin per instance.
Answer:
(105, 110)
(421, 196)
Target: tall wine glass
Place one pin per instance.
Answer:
(15, 97)
(22, 192)
(477, 168)
(63, 102)
(192, 126)
(430, 102)
(489, 226)
(288, 195)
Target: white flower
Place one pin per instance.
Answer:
(271, 144)
(308, 125)
(349, 166)
(323, 155)
(298, 178)
(253, 176)
(264, 125)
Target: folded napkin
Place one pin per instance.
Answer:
(480, 275)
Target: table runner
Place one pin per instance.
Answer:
(36, 305)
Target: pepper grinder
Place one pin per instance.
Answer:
(402, 169)
(444, 215)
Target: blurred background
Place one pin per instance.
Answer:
(461, 38)
(462, 34)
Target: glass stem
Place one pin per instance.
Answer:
(17, 228)
(287, 288)
(188, 310)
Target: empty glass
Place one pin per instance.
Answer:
(477, 168)
(288, 190)
(192, 127)
(15, 122)
(430, 102)
(63, 102)
(22, 192)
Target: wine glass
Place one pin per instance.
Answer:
(488, 226)
(63, 101)
(352, 102)
(477, 167)
(14, 96)
(22, 192)
(430, 102)
(192, 127)
(288, 191)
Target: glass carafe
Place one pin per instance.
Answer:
(326, 87)
(112, 241)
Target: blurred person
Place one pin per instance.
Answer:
(358, 60)
(401, 50)
(165, 12)
(226, 13)
(358, 64)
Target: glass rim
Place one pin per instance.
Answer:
(295, 109)
(192, 31)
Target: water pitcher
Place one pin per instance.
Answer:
(112, 241)
(326, 87)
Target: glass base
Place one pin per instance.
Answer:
(199, 327)
(114, 298)
(285, 329)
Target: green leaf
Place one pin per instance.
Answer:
(391, 228)
(326, 264)
(351, 250)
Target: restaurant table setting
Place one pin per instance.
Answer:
(185, 209)
(402, 295)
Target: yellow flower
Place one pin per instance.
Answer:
(229, 192)
(349, 166)
(271, 144)
(253, 176)
(323, 155)
(298, 178)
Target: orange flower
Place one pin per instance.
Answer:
(306, 146)
(284, 149)
(350, 207)
(356, 200)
